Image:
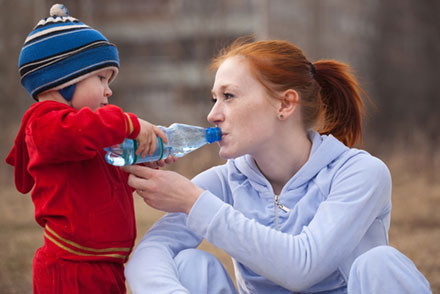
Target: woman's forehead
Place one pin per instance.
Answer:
(233, 72)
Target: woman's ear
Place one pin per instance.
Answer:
(288, 101)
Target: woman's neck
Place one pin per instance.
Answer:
(285, 159)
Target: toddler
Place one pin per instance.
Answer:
(84, 204)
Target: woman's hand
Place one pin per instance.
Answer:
(159, 163)
(164, 190)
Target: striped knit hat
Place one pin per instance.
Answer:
(62, 51)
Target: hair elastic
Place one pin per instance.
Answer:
(313, 69)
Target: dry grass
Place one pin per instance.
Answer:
(415, 228)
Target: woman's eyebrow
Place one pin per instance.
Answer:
(223, 87)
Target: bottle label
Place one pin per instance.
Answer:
(135, 145)
(161, 147)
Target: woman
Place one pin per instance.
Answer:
(295, 206)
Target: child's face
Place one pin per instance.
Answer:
(93, 91)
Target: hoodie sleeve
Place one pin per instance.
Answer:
(68, 135)
(151, 268)
(60, 134)
(360, 192)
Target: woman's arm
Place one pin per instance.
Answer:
(151, 268)
(359, 193)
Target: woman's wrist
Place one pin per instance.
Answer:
(196, 194)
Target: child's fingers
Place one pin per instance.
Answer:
(148, 147)
(147, 139)
(152, 146)
(140, 151)
(140, 145)
(143, 147)
(139, 148)
(160, 133)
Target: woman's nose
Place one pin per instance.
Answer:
(215, 115)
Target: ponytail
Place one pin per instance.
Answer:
(341, 103)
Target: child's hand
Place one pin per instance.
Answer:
(147, 138)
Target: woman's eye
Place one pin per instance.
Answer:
(228, 95)
(213, 100)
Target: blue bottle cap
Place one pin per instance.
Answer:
(213, 134)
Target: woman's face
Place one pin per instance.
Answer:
(242, 109)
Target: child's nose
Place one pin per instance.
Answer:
(108, 92)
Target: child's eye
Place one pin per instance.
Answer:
(101, 78)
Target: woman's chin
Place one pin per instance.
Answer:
(224, 154)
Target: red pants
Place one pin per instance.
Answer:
(55, 275)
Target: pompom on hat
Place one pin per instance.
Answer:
(61, 51)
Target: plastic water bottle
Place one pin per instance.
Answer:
(182, 139)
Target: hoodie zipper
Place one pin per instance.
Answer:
(280, 206)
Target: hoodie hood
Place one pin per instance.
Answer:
(19, 156)
(325, 149)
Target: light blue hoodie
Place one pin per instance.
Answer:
(336, 207)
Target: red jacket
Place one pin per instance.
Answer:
(84, 204)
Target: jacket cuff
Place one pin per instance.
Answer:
(133, 125)
(203, 213)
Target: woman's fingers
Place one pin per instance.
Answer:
(139, 171)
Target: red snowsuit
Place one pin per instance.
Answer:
(84, 204)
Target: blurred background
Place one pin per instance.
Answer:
(165, 47)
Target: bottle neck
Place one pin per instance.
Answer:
(213, 134)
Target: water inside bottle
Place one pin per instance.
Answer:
(115, 160)
(118, 156)
(185, 150)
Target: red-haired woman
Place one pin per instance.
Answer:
(296, 206)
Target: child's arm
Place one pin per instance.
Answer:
(147, 138)
(61, 134)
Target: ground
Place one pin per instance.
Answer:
(415, 229)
